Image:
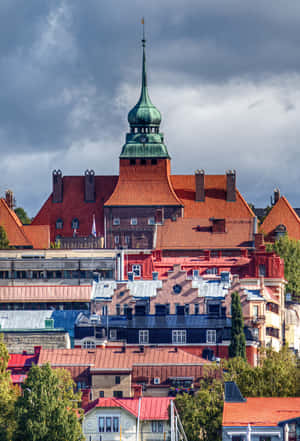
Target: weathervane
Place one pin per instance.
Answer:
(143, 39)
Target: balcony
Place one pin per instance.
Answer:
(258, 320)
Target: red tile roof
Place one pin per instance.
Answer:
(113, 358)
(215, 204)
(282, 213)
(21, 361)
(194, 233)
(42, 293)
(74, 206)
(261, 411)
(22, 236)
(152, 408)
(144, 185)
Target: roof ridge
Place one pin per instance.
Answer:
(16, 220)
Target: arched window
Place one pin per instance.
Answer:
(59, 224)
(75, 224)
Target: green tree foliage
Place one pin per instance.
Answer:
(4, 242)
(278, 375)
(22, 215)
(289, 250)
(48, 408)
(8, 396)
(201, 415)
(237, 346)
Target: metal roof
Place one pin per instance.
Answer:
(211, 288)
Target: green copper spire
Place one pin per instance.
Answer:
(144, 139)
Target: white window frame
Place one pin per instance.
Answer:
(143, 336)
(157, 426)
(133, 221)
(137, 270)
(179, 336)
(151, 220)
(127, 240)
(89, 344)
(105, 418)
(113, 334)
(116, 221)
(211, 336)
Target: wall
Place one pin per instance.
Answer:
(107, 383)
(18, 342)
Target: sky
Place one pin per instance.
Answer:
(225, 75)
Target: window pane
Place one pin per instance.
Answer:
(101, 424)
(115, 424)
(108, 424)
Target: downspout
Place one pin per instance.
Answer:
(138, 420)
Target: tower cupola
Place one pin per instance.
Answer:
(144, 139)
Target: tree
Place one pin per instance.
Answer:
(4, 242)
(8, 396)
(22, 215)
(289, 250)
(48, 408)
(201, 415)
(237, 347)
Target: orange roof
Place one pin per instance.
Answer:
(109, 358)
(261, 411)
(42, 293)
(152, 408)
(282, 214)
(215, 204)
(144, 185)
(22, 236)
(192, 233)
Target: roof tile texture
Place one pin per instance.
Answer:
(282, 213)
(45, 293)
(261, 411)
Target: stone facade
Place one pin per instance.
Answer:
(17, 342)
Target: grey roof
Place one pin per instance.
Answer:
(254, 294)
(211, 288)
(103, 289)
(28, 320)
(138, 288)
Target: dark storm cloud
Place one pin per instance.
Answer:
(70, 70)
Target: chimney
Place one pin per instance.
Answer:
(57, 186)
(37, 350)
(230, 186)
(276, 195)
(89, 186)
(9, 198)
(199, 185)
(259, 240)
(137, 391)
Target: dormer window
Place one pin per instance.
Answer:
(133, 221)
(116, 221)
(59, 224)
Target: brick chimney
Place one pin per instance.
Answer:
(57, 195)
(230, 186)
(89, 186)
(259, 240)
(9, 198)
(199, 185)
(137, 391)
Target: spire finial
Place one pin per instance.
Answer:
(143, 39)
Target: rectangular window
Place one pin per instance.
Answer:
(196, 308)
(262, 270)
(151, 220)
(116, 239)
(264, 438)
(179, 336)
(108, 424)
(127, 240)
(211, 336)
(117, 379)
(115, 424)
(118, 393)
(101, 393)
(133, 221)
(255, 311)
(186, 309)
(143, 337)
(101, 424)
(118, 309)
(157, 426)
(116, 221)
(104, 310)
(125, 307)
(167, 308)
(113, 334)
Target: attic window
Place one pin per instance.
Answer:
(132, 161)
(153, 161)
(59, 224)
(75, 224)
(143, 162)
